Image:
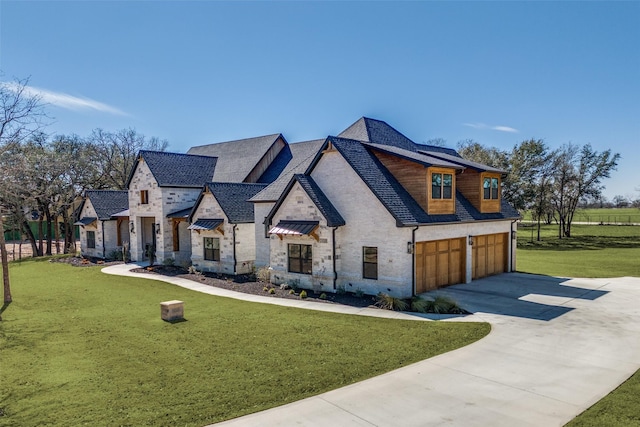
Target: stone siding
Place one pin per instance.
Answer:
(262, 242)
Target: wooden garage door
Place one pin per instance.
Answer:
(489, 255)
(439, 263)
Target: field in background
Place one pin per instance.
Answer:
(603, 216)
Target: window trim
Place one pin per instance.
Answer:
(215, 253)
(91, 243)
(300, 260)
(365, 263)
(493, 190)
(441, 188)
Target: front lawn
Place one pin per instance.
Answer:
(592, 251)
(618, 409)
(81, 347)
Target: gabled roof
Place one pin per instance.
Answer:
(233, 198)
(461, 161)
(108, 202)
(303, 154)
(317, 196)
(176, 169)
(396, 199)
(236, 159)
(182, 213)
(417, 157)
(379, 132)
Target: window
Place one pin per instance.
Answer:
(144, 197)
(369, 262)
(212, 249)
(300, 257)
(441, 186)
(490, 188)
(91, 239)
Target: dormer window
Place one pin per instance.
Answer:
(490, 188)
(441, 185)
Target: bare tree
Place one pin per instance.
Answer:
(22, 114)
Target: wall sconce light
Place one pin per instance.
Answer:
(513, 234)
(409, 247)
(157, 228)
(131, 227)
(470, 240)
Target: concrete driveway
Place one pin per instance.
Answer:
(556, 347)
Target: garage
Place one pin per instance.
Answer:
(489, 255)
(439, 263)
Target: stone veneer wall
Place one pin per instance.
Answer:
(298, 206)
(162, 201)
(244, 241)
(368, 223)
(262, 242)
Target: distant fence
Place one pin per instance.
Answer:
(606, 219)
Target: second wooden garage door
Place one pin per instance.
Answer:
(439, 263)
(489, 255)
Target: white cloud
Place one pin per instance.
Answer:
(483, 126)
(67, 101)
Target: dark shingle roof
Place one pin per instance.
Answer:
(303, 154)
(463, 162)
(236, 159)
(108, 202)
(396, 199)
(317, 196)
(418, 157)
(233, 198)
(379, 132)
(178, 170)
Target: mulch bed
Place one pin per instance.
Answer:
(84, 261)
(248, 284)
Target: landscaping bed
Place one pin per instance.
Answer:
(248, 284)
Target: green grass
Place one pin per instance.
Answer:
(78, 347)
(619, 408)
(604, 215)
(592, 251)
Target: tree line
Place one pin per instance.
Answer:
(551, 184)
(44, 176)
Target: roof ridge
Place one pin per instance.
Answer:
(275, 135)
(174, 153)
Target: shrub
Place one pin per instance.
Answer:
(388, 302)
(292, 292)
(420, 305)
(265, 289)
(359, 293)
(303, 294)
(440, 304)
(115, 255)
(263, 274)
(295, 284)
(341, 290)
(169, 262)
(323, 296)
(272, 291)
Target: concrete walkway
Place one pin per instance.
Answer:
(556, 347)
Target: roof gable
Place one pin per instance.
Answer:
(108, 202)
(303, 154)
(236, 159)
(377, 132)
(233, 199)
(176, 169)
(317, 196)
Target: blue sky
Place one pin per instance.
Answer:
(201, 72)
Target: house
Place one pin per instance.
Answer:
(103, 220)
(223, 229)
(376, 212)
(163, 187)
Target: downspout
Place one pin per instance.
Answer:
(235, 261)
(333, 256)
(103, 247)
(413, 261)
(511, 267)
